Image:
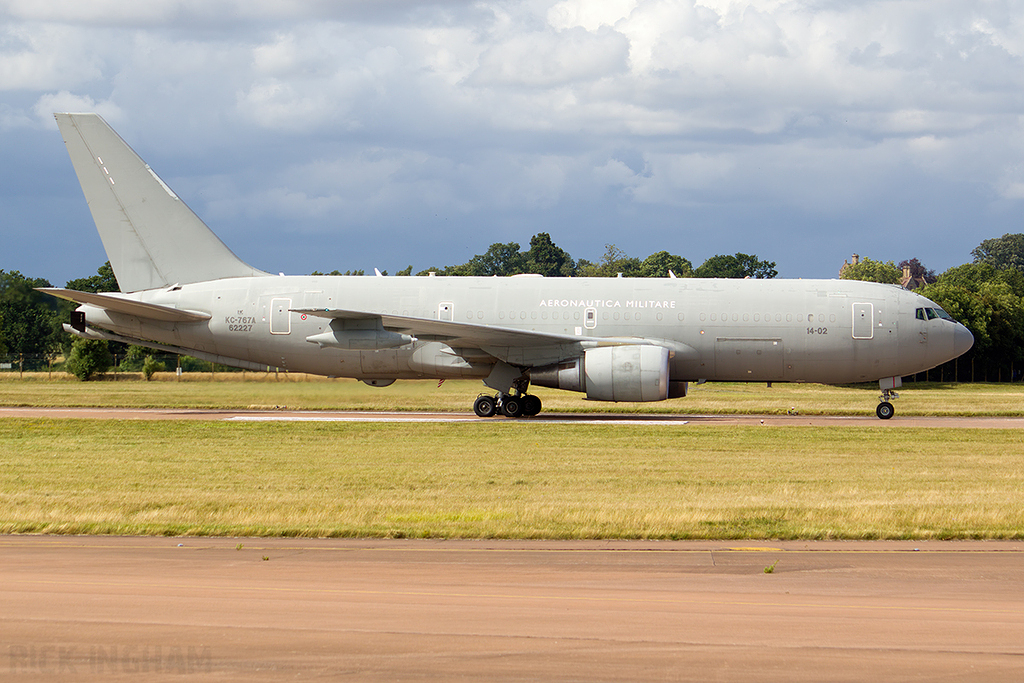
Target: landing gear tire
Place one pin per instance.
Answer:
(885, 410)
(519, 404)
(485, 406)
(531, 405)
(512, 406)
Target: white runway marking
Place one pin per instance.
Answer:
(420, 417)
(283, 414)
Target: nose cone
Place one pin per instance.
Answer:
(963, 340)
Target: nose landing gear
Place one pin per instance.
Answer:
(885, 410)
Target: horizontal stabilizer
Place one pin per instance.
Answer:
(119, 304)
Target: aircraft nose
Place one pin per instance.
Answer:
(963, 340)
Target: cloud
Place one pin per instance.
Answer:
(64, 101)
(589, 15)
(43, 57)
(693, 121)
(550, 58)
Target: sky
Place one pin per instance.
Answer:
(354, 134)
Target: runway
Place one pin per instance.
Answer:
(285, 415)
(120, 608)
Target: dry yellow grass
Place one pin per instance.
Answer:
(515, 480)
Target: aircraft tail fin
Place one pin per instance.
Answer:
(150, 235)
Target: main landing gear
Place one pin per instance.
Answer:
(519, 405)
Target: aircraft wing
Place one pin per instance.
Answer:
(119, 304)
(515, 346)
(452, 333)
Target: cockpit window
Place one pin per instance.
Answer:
(932, 314)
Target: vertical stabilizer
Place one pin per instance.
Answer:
(151, 237)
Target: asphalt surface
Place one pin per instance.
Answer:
(286, 415)
(106, 608)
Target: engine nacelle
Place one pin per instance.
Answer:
(612, 373)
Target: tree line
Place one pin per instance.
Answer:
(986, 295)
(546, 258)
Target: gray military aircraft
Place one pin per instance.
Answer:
(613, 339)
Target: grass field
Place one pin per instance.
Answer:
(508, 480)
(238, 390)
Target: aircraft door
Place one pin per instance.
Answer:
(445, 311)
(590, 318)
(863, 321)
(280, 317)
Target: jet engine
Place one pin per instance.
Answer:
(612, 373)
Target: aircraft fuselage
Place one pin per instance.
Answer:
(829, 331)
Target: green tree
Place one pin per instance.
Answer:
(660, 263)
(88, 357)
(29, 320)
(192, 364)
(737, 266)
(433, 269)
(499, 259)
(133, 358)
(103, 281)
(150, 367)
(971, 276)
(1001, 252)
(990, 303)
(614, 262)
(547, 259)
(872, 271)
(504, 259)
(337, 273)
